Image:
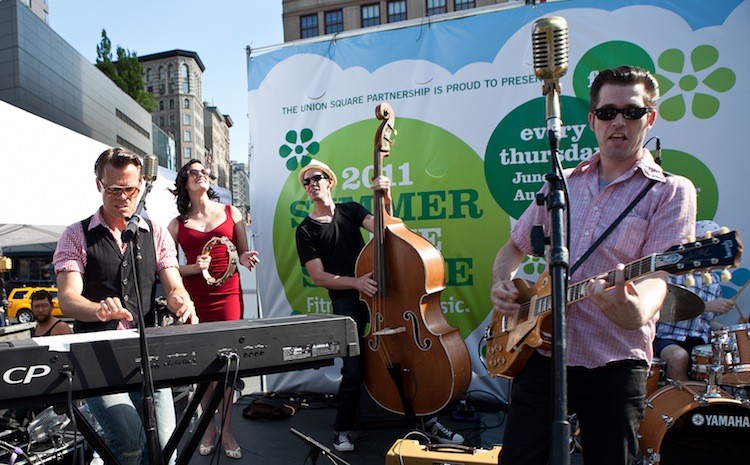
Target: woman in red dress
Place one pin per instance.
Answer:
(202, 218)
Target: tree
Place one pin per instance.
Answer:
(126, 72)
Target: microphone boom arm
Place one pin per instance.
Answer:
(132, 228)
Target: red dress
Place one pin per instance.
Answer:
(212, 303)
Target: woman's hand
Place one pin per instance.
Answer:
(249, 259)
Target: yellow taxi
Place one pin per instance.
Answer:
(20, 303)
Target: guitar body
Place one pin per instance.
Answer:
(512, 339)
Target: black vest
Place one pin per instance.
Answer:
(109, 273)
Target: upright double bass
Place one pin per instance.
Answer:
(415, 362)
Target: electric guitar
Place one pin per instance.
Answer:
(512, 339)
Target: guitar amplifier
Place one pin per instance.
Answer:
(411, 452)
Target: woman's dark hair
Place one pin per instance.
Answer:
(180, 191)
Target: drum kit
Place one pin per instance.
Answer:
(705, 420)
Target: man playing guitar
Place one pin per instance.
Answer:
(610, 334)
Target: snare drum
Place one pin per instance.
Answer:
(657, 375)
(681, 426)
(737, 356)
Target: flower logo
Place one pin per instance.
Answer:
(533, 266)
(298, 150)
(696, 83)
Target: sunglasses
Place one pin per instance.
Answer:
(315, 178)
(117, 191)
(608, 114)
(196, 172)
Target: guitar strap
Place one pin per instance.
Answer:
(612, 227)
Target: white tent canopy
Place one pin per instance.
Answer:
(48, 180)
(23, 234)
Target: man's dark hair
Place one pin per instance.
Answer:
(41, 294)
(625, 75)
(119, 158)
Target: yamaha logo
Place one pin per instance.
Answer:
(731, 421)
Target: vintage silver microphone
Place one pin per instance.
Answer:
(550, 47)
(150, 168)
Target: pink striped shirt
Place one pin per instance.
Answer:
(70, 254)
(663, 218)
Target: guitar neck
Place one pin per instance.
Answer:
(577, 291)
(633, 270)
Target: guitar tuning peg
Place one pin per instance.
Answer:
(691, 238)
(726, 275)
(689, 281)
(723, 230)
(706, 278)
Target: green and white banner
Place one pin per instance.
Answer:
(471, 150)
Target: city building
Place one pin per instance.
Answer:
(175, 79)
(46, 76)
(199, 129)
(39, 8)
(311, 18)
(216, 134)
(241, 188)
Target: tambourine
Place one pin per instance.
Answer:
(231, 266)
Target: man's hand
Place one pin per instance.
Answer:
(503, 297)
(381, 183)
(366, 285)
(627, 304)
(111, 309)
(720, 305)
(180, 303)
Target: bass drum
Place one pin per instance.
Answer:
(683, 426)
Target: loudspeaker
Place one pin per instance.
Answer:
(411, 452)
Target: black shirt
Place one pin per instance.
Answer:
(337, 243)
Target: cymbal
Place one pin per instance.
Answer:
(680, 304)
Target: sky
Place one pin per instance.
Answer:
(217, 31)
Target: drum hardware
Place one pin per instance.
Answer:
(728, 360)
(232, 262)
(736, 340)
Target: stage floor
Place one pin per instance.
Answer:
(270, 442)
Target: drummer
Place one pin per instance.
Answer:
(675, 341)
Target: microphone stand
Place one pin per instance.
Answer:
(316, 449)
(558, 270)
(130, 237)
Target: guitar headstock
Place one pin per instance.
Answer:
(714, 251)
